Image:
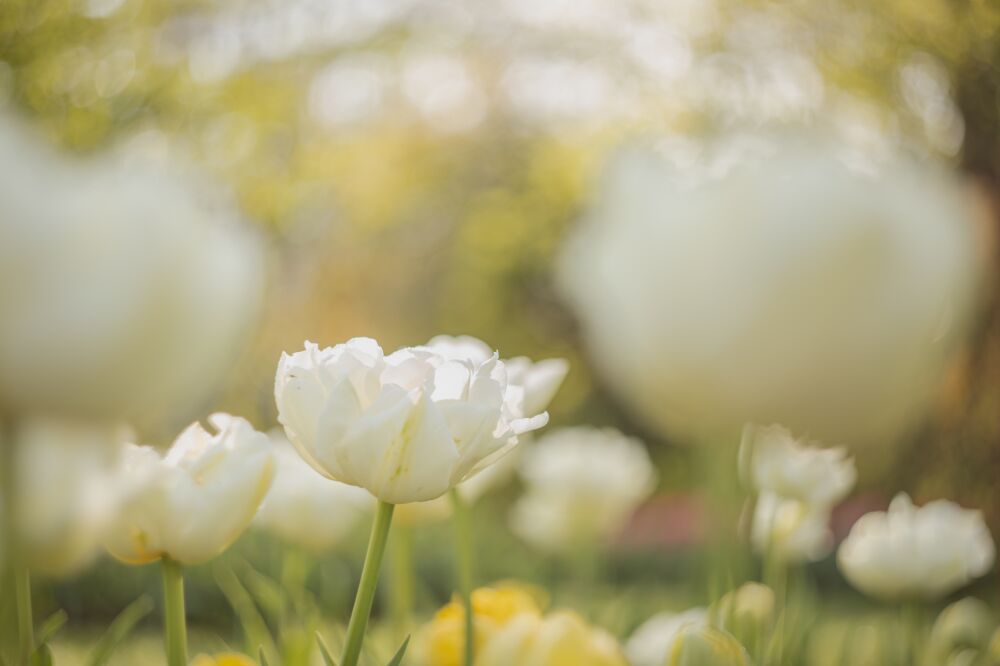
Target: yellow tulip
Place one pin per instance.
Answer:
(492, 607)
(559, 639)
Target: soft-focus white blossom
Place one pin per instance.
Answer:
(192, 503)
(407, 427)
(582, 486)
(68, 483)
(126, 289)
(653, 641)
(305, 508)
(790, 529)
(771, 280)
(796, 469)
(910, 552)
(534, 383)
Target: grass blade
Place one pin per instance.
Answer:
(119, 629)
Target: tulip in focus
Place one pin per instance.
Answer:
(533, 383)
(558, 639)
(307, 509)
(754, 286)
(196, 500)
(916, 553)
(706, 646)
(407, 427)
(653, 641)
(583, 484)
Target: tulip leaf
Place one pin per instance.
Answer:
(119, 628)
(397, 658)
(42, 656)
(51, 626)
(261, 657)
(255, 630)
(325, 651)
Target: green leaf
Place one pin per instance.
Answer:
(397, 658)
(325, 651)
(42, 656)
(119, 628)
(255, 630)
(51, 626)
(261, 657)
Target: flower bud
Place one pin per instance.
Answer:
(707, 646)
(964, 624)
(747, 612)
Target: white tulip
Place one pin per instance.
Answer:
(305, 508)
(536, 381)
(196, 500)
(407, 427)
(67, 487)
(533, 383)
(582, 485)
(792, 468)
(125, 289)
(775, 284)
(791, 530)
(653, 641)
(909, 552)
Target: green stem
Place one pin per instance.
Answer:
(366, 588)
(402, 591)
(25, 623)
(14, 561)
(174, 621)
(463, 552)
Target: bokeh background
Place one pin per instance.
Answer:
(415, 167)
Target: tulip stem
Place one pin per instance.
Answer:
(25, 623)
(463, 552)
(402, 592)
(174, 621)
(14, 561)
(366, 588)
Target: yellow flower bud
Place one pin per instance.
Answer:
(707, 646)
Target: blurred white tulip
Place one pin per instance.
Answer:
(406, 427)
(305, 508)
(792, 468)
(533, 383)
(582, 485)
(192, 503)
(68, 483)
(912, 553)
(775, 282)
(126, 289)
(790, 529)
(653, 641)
